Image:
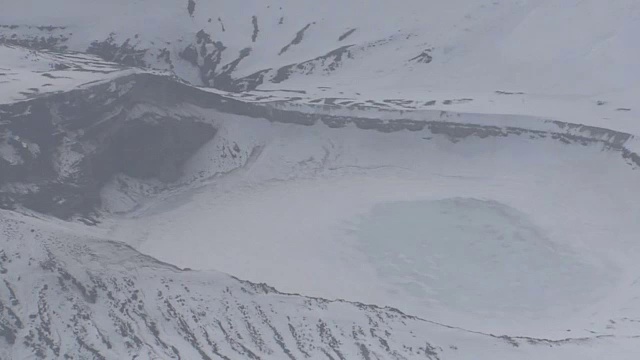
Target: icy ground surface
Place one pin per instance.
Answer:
(26, 74)
(505, 235)
(489, 253)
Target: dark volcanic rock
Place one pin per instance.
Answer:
(191, 7)
(124, 53)
(296, 40)
(71, 144)
(346, 35)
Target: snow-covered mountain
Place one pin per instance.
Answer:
(565, 60)
(67, 294)
(477, 45)
(468, 167)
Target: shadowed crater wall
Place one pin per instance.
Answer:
(65, 147)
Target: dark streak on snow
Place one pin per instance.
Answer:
(254, 22)
(296, 40)
(345, 35)
(191, 7)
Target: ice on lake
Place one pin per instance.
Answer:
(473, 255)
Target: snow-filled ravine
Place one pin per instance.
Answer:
(522, 234)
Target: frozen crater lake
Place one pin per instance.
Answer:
(474, 255)
(514, 234)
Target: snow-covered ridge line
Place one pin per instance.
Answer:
(370, 117)
(406, 50)
(99, 116)
(28, 74)
(479, 124)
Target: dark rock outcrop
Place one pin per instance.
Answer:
(70, 144)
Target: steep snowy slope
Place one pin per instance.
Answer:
(28, 74)
(67, 294)
(543, 47)
(390, 216)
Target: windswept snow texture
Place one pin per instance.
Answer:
(67, 294)
(433, 180)
(564, 57)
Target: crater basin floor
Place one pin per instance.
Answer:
(461, 234)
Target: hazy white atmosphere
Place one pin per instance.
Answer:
(288, 179)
